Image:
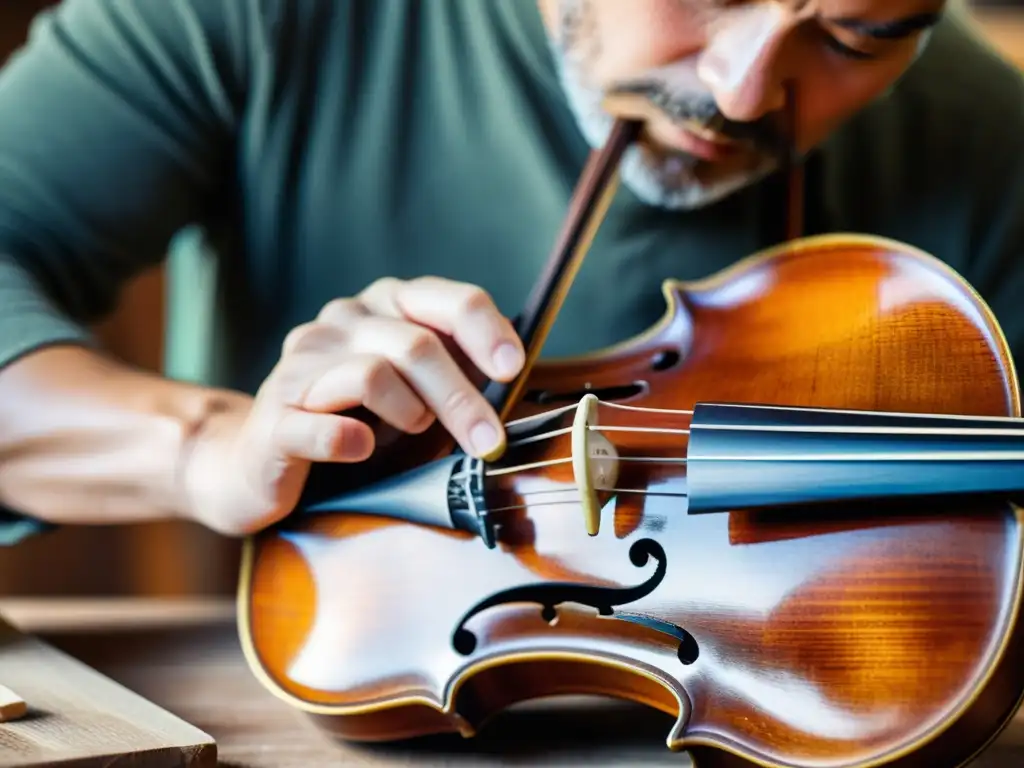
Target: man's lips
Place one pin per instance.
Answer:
(661, 133)
(692, 140)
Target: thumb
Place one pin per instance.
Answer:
(277, 468)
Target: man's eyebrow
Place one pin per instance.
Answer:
(889, 30)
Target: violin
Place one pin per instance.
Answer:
(783, 515)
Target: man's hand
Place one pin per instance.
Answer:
(384, 350)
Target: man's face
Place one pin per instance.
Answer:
(709, 79)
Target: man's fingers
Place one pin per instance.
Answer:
(420, 357)
(380, 296)
(322, 437)
(370, 381)
(460, 310)
(342, 313)
(392, 360)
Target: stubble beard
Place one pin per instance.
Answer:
(666, 179)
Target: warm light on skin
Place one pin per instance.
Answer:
(738, 55)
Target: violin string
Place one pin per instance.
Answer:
(809, 429)
(661, 430)
(863, 412)
(916, 456)
(645, 408)
(596, 428)
(934, 456)
(551, 413)
(574, 499)
(865, 430)
(890, 457)
(792, 428)
(541, 416)
(537, 438)
(910, 456)
(981, 455)
(516, 468)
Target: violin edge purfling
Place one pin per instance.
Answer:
(886, 641)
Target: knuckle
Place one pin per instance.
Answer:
(376, 377)
(432, 282)
(421, 344)
(459, 404)
(338, 311)
(286, 385)
(309, 337)
(295, 338)
(474, 300)
(383, 285)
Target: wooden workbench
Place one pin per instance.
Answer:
(185, 657)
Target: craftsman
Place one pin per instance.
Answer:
(372, 175)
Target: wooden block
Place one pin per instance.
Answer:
(12, 706)
(76, 716)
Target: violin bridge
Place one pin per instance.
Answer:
(594, 462)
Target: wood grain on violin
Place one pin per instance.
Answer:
(880, 632)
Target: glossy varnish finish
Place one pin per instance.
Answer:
(868, 637)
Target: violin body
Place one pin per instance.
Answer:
(865, 634)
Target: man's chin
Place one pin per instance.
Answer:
(676, 180)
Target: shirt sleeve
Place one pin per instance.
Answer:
(117, 128)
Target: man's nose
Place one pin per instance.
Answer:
(738, 63)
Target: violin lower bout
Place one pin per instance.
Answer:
(775, 641)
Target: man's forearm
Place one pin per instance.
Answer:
(85, 440)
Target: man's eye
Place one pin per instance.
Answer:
(840, 47)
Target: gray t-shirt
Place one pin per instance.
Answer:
(322, 144)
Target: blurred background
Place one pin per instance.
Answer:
(181, 559)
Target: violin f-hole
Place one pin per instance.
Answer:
(616, 393)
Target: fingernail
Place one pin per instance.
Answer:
(507, 359)
(484, 439)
